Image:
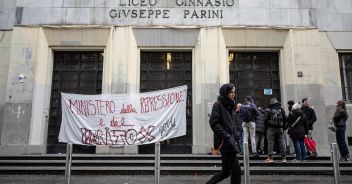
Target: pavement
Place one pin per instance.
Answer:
(166, 179)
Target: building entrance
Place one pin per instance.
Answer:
(162, 70)
(255, 74)
(73, 72)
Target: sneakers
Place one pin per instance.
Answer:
(296, 161)
(261, 152)
(269, 160)
(284, 160)
(345, 158)
(255, 154)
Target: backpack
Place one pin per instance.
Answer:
(276, 118)
(246, 112)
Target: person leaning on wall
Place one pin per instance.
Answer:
(222, 122)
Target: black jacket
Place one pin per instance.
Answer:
(260, 121)
(340, 118)
(310, 115)
(276, 106)
(300, 129)
(254, 108)
(222, 122)
(238, 122)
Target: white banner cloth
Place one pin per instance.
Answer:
(121, 120)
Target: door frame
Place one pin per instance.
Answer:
(50, 70)
(170, 49)
(280, 51)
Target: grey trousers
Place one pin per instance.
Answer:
(273, 134)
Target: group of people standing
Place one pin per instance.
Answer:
(267, 125)
(234, 124)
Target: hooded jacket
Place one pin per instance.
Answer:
(222, 122)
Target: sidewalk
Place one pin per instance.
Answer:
(174, 179)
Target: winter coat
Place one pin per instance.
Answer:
(222, 122)
(310, 115)
(275, 106)
(260, 121)
(238, 122)
(254, 111)
(300, 129)
(340, 118)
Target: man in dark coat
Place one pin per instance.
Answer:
(276, 122)
(310, 115)
(238, 122)
(311, 118)
(249, 113)
(222, 122)
(260, 129)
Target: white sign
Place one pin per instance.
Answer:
(121, 120)
(268, 91)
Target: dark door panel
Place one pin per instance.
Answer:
(252, 72)
(77, 72)
(162, 70)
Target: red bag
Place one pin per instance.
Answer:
(310, 143)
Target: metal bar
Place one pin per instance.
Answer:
(246, 163)
(157, 163)
(68, 163)
(335, 160)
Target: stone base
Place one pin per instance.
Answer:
(116, 150)
(11, 150)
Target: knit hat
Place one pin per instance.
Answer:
(296, 106)
(273, 101)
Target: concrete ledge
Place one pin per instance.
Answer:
(22, 150)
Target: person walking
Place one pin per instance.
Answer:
(260, 129)
(340, 118)
(222, 122)
(276, 122)
(249, 113)
(297, 129)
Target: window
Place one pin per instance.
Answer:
(346, 75)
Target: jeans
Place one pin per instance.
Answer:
(259, 138)
(249, 130)
(300, 149)
(341, 141)
(230, 165)
(273, 134)
(240, 135)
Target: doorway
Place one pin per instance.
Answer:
(162, 70)
(77, 72)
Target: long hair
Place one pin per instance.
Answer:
(341, 104)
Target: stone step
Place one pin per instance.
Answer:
(170, 164)
(170, 170)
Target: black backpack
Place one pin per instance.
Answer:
(246, 112)
(276, 118)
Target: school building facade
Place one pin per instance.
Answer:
(288, 49)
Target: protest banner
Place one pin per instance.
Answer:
(122, 120)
